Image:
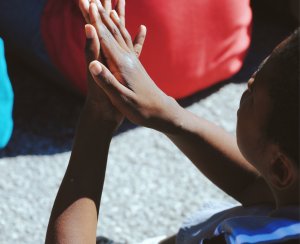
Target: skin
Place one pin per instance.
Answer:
(277, 169)
(75, 211)
(246, 169)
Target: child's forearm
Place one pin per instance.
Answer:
(213, 151)
(74, 214)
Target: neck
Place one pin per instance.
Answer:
(289, 196)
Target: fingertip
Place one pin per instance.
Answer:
(84, 8)
(115, 14)
(84, 4)
(89, 33)
(93, 4)
(93, 7)
(99, 5)
(95, 68)
(143, 28)
(93, 13)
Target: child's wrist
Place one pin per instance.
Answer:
(107, 117)
(169, 117)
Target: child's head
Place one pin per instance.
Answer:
(268, 118)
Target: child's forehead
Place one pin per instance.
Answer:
(263, 78)
(262, 63)
(266, 70)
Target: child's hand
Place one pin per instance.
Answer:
(125, 80)
(119, 14)
(96, 95)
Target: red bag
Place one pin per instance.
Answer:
(190, 45)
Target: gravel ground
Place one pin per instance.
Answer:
(150, 186)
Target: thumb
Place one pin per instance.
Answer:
(116, 91)
(139, 40)
(92, 46)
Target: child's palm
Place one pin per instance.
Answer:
(94, 52)
(126, 82)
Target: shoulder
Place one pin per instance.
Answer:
(258, 192)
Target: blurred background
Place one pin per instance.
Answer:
(150, 186)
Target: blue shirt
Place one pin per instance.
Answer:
(259, 224)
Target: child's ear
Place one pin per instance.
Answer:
(282, 171)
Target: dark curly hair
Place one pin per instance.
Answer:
(282, 125)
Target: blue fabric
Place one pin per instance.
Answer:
(259, 229)
(257, 224)
(206, 226)
(6, 101)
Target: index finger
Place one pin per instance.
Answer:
(107, 5)
(108, 42)
(121, 11)
(84, 8)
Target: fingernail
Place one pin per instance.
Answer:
(115, 14)
(99, 5)
(94, 7)
(144, 27)
(95, 68)
(88, 32)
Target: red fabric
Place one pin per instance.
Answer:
(190, 45)
(62, 28)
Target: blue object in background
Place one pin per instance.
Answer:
(6, 101)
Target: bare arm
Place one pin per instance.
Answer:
(75, 211)
(216, 154)
(74, 215)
